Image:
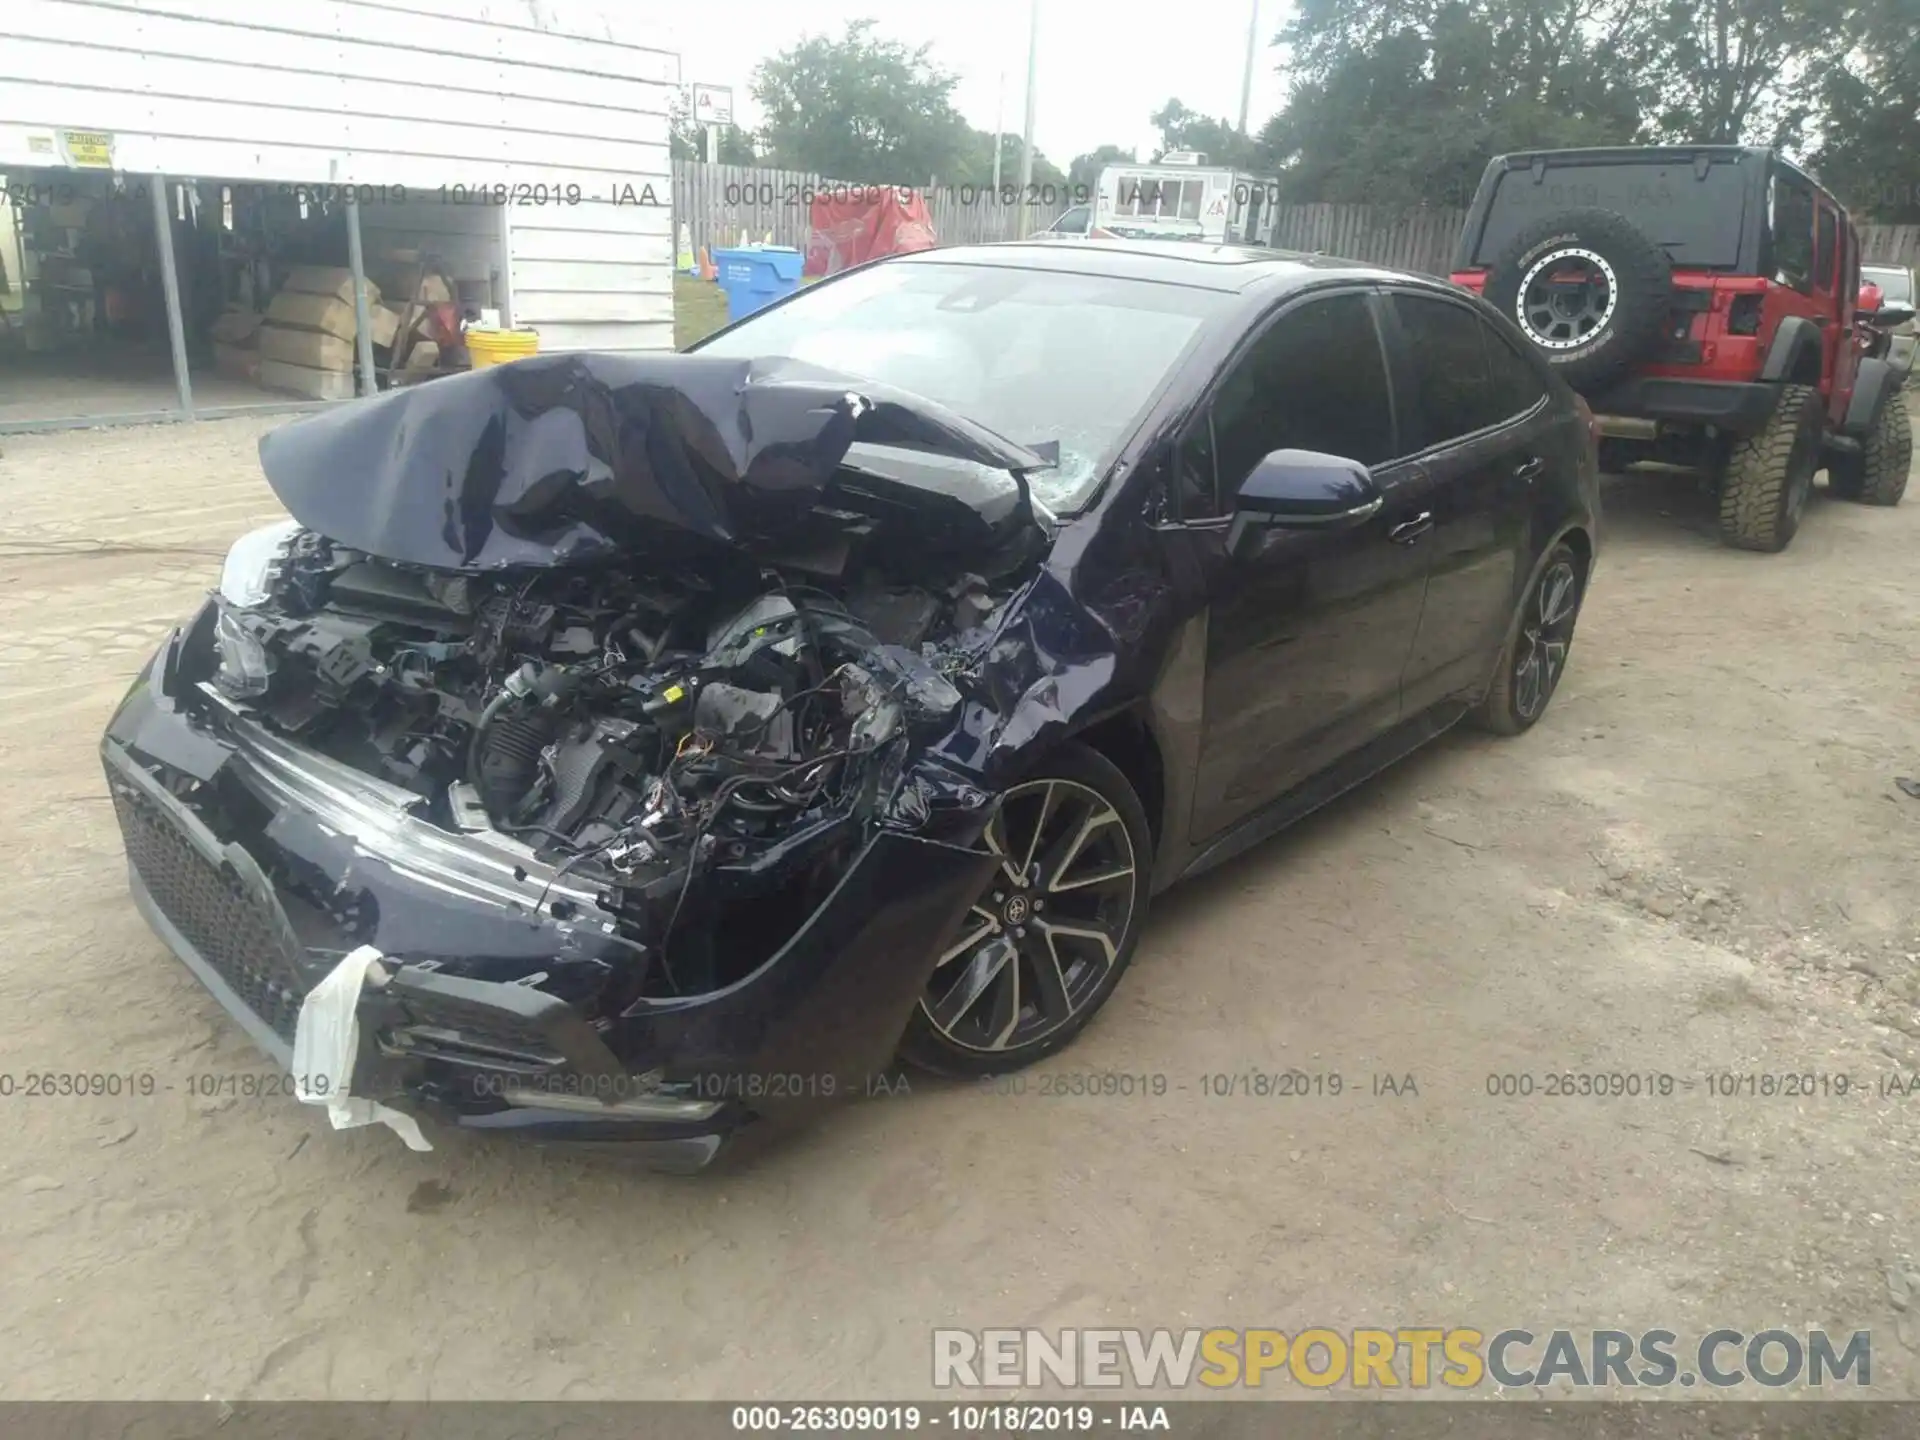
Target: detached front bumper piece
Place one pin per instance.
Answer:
(265, 868)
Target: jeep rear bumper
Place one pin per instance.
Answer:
(1739, 408)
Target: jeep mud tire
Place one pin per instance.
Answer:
(1769, 474)
(1588, 289)
(1878, 474)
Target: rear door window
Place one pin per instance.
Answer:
(1454, 388)
(1790, 229)
(1826, 246)
(1516, 385)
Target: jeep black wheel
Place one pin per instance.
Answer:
(1536, 653)
(1588, 289)
(1050, 936)
(1878, 474)
(1769, 475)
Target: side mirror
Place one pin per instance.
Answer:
(1892, 316)
(1303, 490)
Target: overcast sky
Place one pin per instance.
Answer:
(1103, 67)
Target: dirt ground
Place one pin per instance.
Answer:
(1699, 863)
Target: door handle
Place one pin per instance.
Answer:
(1529, 469)
(1409, 531)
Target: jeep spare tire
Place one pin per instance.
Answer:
(1589, 289)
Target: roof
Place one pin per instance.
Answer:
(1172, 262)
(1669, 154)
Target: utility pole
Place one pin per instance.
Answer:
(999, 129)
(1033, 96)
(1246, 81)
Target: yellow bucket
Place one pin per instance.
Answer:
(497, 347)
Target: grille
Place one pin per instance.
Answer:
(231, 930)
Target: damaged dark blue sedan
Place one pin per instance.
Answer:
(641, 747)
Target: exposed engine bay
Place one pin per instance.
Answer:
(709, 745)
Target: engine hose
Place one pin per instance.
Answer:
(504, 761)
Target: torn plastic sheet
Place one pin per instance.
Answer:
(560, 459)
(326, 1042)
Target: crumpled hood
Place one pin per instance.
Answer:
(560, 459)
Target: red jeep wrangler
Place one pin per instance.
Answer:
(1704, 300)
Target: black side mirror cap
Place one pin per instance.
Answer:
(1891, 316)
(1304, 490)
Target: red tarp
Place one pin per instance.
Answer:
(863, 223)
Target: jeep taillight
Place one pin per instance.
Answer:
(1743, 316)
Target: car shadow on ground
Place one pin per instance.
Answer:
(1664, 509)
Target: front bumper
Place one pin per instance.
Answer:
(261, 865)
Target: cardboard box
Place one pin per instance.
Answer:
(385, 324)
(431, 289)
(308, 383)
(314, 349)
(296, 310)
(331, 280)
(237, 328)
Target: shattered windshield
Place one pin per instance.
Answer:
(1037, 356)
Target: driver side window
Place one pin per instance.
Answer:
(1315, 380)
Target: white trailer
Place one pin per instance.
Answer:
(1184, 197)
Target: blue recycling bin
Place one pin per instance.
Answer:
(754, 276)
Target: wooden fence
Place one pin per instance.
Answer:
(719, 203)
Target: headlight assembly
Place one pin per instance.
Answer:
(253, 564)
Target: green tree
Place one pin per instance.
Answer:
(688, 141)
(1084, 172)
(1403, 102)
(1732, 71)
(1869, 112)
(975, 166)
(860, 109)
(1184, 129)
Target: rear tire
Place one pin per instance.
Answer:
(1769, 475)
(1536, 653)
(1878, 474)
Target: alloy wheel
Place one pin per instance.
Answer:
(1545, 636)
(1039, 943)
(1566, 298)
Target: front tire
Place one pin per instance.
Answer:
(1536, 653)
(1878, 474)
(1054, 930)
(1769, 475)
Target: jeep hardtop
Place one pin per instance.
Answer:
(1705, 301)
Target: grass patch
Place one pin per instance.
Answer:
(700, 308)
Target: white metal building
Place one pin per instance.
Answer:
(431, 109)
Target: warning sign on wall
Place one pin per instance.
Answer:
(87, 149)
